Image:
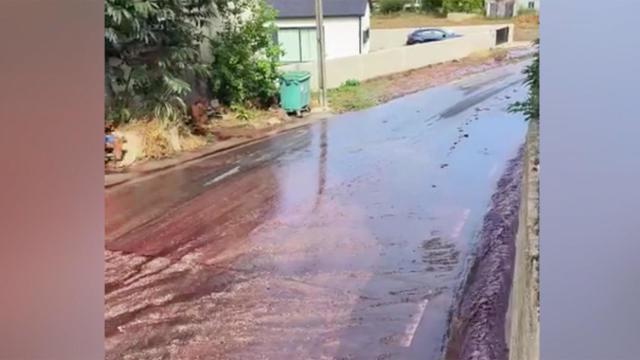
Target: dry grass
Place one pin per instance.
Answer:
(410, 20)
(159, 140)
(251, 118)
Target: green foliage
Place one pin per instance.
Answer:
(391, 6)
(351, 82)
(464, 6)
(531, 106)
(523, 10)
(151, 48)
(351, 96)
(431, 6)
(241, 112)
(245, 65)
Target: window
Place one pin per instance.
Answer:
(365, 36)
(532, 5)
(298, 44)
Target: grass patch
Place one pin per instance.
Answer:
(353, 95)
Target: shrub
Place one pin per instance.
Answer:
(464, 6)
(432, 6)
(245, 65)
(151, 48)
(351, 82)
(391, 6)
(531, 106)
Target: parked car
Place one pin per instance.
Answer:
(421, 36)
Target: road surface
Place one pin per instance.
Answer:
(342, 240)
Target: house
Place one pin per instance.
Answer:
(500, 8)
(509, 8)
(346, 28)
(532, 5)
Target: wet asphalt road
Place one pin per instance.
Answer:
(342, 240)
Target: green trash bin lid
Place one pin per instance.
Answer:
(297, 76)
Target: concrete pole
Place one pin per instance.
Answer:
(322, 69)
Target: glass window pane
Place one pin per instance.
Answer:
(309, 44)
(290, 42)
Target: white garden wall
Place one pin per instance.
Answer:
(398, 59)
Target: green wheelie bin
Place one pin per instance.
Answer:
(295, 91)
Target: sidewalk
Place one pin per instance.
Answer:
(150, 167)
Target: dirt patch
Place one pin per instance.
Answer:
(526, 27)
(246, 123)
(477, 327)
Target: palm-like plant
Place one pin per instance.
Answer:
(151, 48)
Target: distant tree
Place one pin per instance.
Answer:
(391, 6)
(531, 106)
(432, 6)
(465, 6)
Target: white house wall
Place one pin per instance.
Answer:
(341, 34)
(366, 24)
(524, 4)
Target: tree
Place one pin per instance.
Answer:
(531, 106)
(465, 6)
(151, 49)
(246, 57)
(392, 6)
(433, 6)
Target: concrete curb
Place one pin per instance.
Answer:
(522, 322)
(153, 167)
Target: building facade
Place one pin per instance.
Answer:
(346, 28)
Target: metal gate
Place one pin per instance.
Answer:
(502, 35)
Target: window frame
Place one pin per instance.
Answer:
(299, 30)
(366, 35)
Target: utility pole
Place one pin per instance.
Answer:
(322, 69)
